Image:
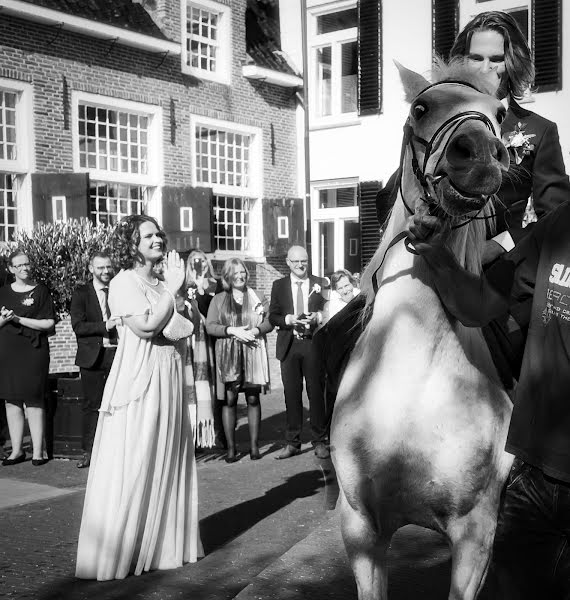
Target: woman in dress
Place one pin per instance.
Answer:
(238, 319)
(141, 502)
(27, 315)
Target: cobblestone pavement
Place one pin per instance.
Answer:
(251, 512)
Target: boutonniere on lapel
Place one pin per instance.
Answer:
(258, 308)
(518, 141)
(316, 289)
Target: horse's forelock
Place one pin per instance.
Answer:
(457, 69)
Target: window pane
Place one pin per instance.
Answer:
(8, 207)
(349, 77)
(98, 148)
(230, 222)
(343, 19)
(110, 202)
(324, 73)
(520, 15)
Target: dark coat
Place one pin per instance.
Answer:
(88, 325)
(282, 304)
(541, 173)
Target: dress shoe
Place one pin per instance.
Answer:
(254, 454)
(231, 458)
(85, 461)
(38, 462)
(321, 451)
(7, 462)
(288, 452)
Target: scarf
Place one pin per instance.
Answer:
(237, 361)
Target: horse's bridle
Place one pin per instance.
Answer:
(426, 180)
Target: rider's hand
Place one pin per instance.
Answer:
(427, 232)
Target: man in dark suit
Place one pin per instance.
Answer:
(96, 344)
(296, 309)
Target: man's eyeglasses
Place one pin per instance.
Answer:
(21, 266)
(299, 262)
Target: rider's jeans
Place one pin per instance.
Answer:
(531, 558)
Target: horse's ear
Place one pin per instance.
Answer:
(413, 82)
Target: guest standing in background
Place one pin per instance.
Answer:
(96, 336)
(141, 502)
(344, 289)
(297, 306)
(201, 286)
(27, 315)
(238, 319)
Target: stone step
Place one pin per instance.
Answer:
(316, 568)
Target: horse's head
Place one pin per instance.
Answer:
(452, 154)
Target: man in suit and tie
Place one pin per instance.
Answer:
(297, 310)
(96, 343)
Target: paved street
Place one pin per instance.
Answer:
(268, 529)
(251, 513)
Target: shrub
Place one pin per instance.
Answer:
(59, 255)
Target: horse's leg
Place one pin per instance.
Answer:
(366, 551)
(471, 541)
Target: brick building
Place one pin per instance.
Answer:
(181, 109)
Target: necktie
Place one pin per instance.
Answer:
(106, 311)
(300, 302)
(113, 332)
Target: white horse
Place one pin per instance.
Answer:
(421, 417)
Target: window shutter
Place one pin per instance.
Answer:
(73, 186)
(200, 200)
(445, 25)
(273, 210)
(547, 41)
(369, 57)
(369, 228)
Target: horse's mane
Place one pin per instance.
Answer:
(470, 254)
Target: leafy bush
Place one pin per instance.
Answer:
(59, 255)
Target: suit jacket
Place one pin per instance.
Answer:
(88, 325)
(282, 304)
(541, 173)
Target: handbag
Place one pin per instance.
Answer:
(177, 328)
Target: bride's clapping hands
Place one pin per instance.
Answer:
(173, 271)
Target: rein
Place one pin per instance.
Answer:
(426, 180)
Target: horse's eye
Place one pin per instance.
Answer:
(501, 114)
(419, 110)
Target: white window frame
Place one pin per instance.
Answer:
(283, 227)
(222, 74)
(471, 8)
(186, 216)
(338, 215)
(334, 39)
(24, 164)
(153, 179)
(55, 200)
(253, 191)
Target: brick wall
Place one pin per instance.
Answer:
(57, 65)
(62, 348)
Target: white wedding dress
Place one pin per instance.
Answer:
(141, 502)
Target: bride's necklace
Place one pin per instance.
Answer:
(238, 296)
(153, 283)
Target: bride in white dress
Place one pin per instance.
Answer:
(141, 502)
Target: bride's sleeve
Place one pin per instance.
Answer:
(127, 296)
